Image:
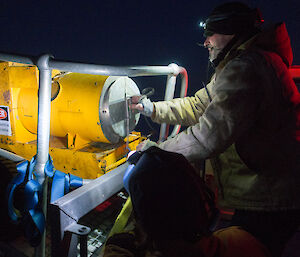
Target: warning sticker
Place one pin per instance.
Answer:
(5, 128)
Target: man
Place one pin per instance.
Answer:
(246, 121)
(174, 212)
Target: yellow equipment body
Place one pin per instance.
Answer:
(88, 122)
(74, 110)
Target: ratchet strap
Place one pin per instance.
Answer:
(30, 214)
(122, 219)
(61, 184)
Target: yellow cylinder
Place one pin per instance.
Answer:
(86, 105)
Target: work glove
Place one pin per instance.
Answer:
(148, 107)
(142, 105)
(145, 145)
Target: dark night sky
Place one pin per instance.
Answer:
(125, 32)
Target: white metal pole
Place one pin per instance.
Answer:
(43, 135)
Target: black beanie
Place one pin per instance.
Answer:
(232, 18)
(169, 200)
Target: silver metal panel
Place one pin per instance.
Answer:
(113, 109)
(67, 210)
(11, 156)
(82, 200)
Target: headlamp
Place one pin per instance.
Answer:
(202, 24)
(231, 22)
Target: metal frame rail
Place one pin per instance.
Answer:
(45, 64)
(66, 212)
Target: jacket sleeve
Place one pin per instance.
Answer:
(235, 98)
(184, 111)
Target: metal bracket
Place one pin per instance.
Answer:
(81, 231)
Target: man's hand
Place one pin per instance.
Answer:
(135, 105)
(142, 105)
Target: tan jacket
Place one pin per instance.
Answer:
(250, 129)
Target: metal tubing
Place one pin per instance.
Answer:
(169, 94)
(131, 71)
(11, 156)
(43, 135)
(183, 92)
(44, 105)
(295, 71)
(151, 70)
(16, 58)
(110, 70)
(40, 251)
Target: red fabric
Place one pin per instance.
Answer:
(232, 242)
(278, 42)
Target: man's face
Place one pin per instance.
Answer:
(215, 44)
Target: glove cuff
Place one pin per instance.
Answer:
(148, 107)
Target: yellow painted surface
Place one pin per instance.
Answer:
(75, 110)
(73, 147)
(89, 162)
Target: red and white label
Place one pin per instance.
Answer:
(5, 127)
(3, 114)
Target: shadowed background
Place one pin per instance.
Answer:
(125, 32)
